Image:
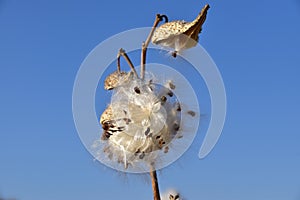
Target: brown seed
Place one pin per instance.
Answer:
(178, 107)
(171, 85)
(137, 152)
(161, 142)
(174, 54)
(137, 90)
(127, 120)
(170, 93)
(147, 131)
(166, 150)
(179, 136)
(192, 113)
(163, 99)
(176, 126)
(142, 155)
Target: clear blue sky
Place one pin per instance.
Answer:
(256, 45)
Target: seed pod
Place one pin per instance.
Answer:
(180, 35)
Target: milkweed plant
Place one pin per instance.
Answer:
(143, 118)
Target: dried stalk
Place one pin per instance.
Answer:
(123, 53)
(145, 45)
(159, 18)
(154, 182)
(153, 175)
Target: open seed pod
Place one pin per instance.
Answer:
(180, 35)
(141, 120)
(149, 123)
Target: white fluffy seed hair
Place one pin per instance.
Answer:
(142, 121)
(171, 194)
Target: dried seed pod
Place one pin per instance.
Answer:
(180, 34)
(106, 115)
(113, 80)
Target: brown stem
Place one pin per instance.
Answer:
(119, 63)
(155, 188)
(146, 44)
(123, 53)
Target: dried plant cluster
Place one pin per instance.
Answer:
(141, 120)
(143, 117)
